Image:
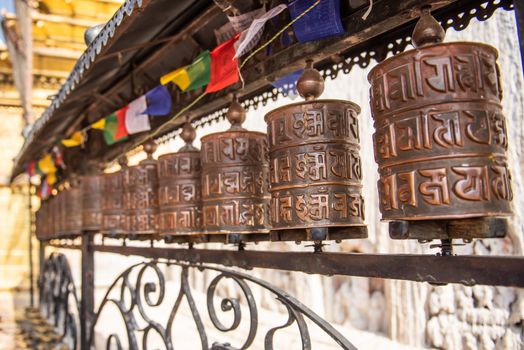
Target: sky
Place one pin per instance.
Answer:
(9, 6)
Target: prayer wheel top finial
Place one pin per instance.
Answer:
(427, 30)
(150, 148)
(122, 161)
(188, 133)
(310, 85)
(236, 114)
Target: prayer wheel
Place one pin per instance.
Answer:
(52, 223)
(114, 215)
(440, 136)
(92, 193)
(179, 189)
(142, 187)
(72, 208)
(235, 170)
(315, 166)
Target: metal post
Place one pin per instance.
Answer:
(31, 276)
(519, 17)
(88, 298)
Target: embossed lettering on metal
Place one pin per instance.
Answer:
(440, 136)
(315, 165)
(235, 182)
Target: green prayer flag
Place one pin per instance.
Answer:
(199, 71)
(114, 129)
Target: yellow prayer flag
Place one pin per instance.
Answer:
(179, 76)
(51, 179)
(100, 125)
(76, 140)
(46, 164)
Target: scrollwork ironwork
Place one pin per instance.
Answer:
(59, 302)
(146, 295)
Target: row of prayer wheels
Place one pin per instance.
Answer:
(440, 143)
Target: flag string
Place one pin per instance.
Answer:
(201, 96)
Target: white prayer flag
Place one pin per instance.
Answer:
(136, 121)
(250, 37)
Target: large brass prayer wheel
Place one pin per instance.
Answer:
(235, 171)
(315, 166)
(440, 136)
(92, 194)
(142, 187)
(114, 215)
(179, 191)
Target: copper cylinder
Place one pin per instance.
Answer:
(72, 209)
(143, 191)
(92, 194)
(179, 176)
(440, 136)
(235, 170)
(315, 166)
(113, 213)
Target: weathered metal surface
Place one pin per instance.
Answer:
(72, 209)
(440, 140)
(113, 213)
(315, 166)
(92, 194)
(142, 187)
(235, 171)
(467, 270)
(180, 200)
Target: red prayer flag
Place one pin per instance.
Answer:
(121, 130)
(224, 66)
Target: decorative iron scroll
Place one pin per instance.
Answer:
(137, 297)
(377, 49)
(59, 302)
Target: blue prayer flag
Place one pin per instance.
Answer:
(323, 21)
(158, 101)
(288, 83)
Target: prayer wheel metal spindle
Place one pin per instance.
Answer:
(144, 196)
(315, 166)
(235, 170)
(440, 139)
(179, 176)
(114, 216)
(73, 208)
(92, 193)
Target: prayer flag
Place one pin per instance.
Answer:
(323, 21)
(99, 125)
(224, 66)
(31, 168)
(250, 37)
(199, 71)
(51, 178)
(178, 76)
(76, 139)
(115, 128)
(158, 101)
(46, 164)
(136, 120)
(288, 83)
(45, 189)
(59, 157)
